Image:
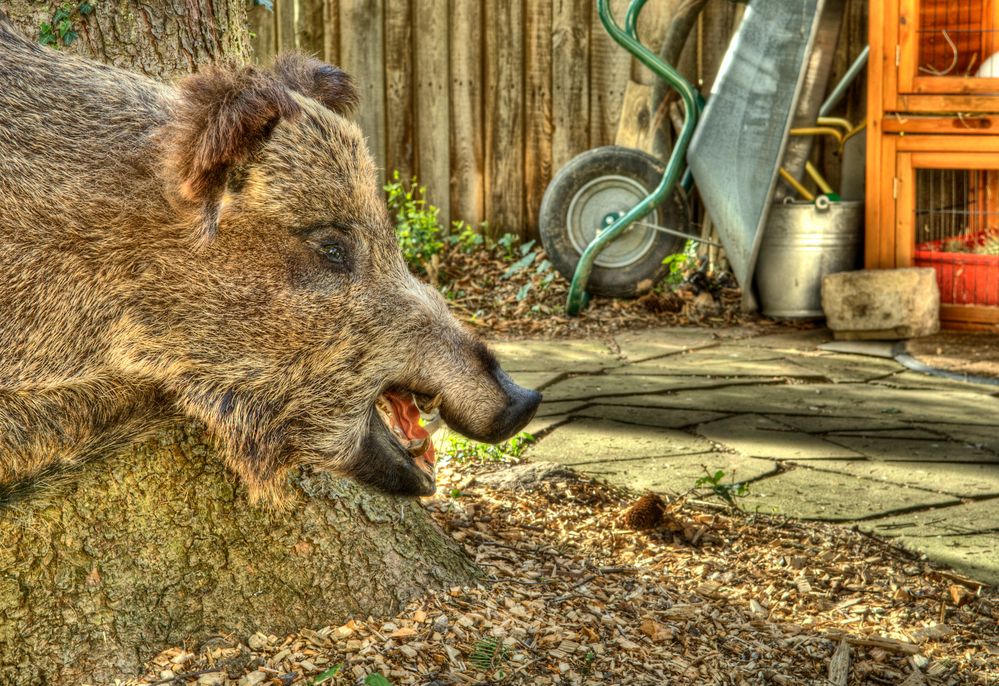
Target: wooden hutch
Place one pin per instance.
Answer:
(933, 149)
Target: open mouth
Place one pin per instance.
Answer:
(411, 419)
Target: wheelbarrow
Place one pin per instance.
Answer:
(611, 215)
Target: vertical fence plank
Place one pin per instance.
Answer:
(331, 31)
(433, 103)
(284, 13)
(538, 103)
(610, 70)
(264, 40)
(467, 133)
(504, 115)
(361, 52)
(400, 119)
(310, 27)
(570, 79)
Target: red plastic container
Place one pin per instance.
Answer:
(964, 278)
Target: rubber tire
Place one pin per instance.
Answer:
(640, 276)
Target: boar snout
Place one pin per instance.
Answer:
(500, 420)
(518, 409)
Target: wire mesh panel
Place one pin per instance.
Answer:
(958, 38)
(957, 232)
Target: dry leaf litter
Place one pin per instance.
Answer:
(584, 584)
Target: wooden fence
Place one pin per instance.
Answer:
(483, 99)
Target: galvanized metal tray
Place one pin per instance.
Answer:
(740, 141)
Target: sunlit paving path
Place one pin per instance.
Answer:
(816, 434)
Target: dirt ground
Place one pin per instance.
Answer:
(959, 351)
(585, 584)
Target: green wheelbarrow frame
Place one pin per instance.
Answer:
(693, 103)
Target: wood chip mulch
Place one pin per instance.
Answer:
(698, 595)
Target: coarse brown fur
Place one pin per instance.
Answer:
(165, 252)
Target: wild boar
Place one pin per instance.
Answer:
(217, 250)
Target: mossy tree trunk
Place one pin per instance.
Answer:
(104, 566)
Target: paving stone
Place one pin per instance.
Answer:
(535, 379)
(976, 555)
(551, 408)
(540, 425)
(676, 474)
(980, 516)
(591, 440)
(757, 436)
(804, 339)
(908, 450)
(834, 400)
(598, 386)
(724, 361)
(649, 416)
(913, 434)
(846, 368)
(641, 345)
(552, 356)
(821, 425)
(814, 494)
(962, 480)
(919, 381)
(986, 438)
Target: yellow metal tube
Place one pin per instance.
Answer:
(818, 178)
(796, 185)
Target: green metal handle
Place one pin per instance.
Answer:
(628, 39)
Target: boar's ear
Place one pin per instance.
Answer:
(329, 85)
(221, 119)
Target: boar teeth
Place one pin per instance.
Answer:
(419, 448)
(432, 405)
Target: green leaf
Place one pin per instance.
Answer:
(328, 674)
(526, 247)
(69, 37)
(523, 263)
(86, 8)
(376, 679)
(524, 290)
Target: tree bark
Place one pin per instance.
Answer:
(104, 566)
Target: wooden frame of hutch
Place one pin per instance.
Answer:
(918, 121)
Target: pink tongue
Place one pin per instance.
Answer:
(408, 416)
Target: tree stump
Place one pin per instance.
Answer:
(105, 566)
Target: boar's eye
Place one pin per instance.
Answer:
(334, 252)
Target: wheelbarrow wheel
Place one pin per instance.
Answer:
(590, 192)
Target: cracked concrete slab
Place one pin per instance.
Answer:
(846, 368)
(642, 345)
(917, 381)
(600, 387)
(835, 400)
(535, 379)
(961, 480)
(981, 437)
(976, 555)
(976, 517)
(550, 409)
(540, 425)
(804, 339)
(822, 425)
(814, 494)
(648, 416)
(555, 356)
(591, 440)
(908, 450)
(721, 362)
(676, 474)
(757, 436)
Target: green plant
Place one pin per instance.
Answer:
(376, 679)
(327, 674)
(463, 450)
(416, 223)
(680, 264)
(61, 31)
(487, 652)
(727, 492)
(464, 237)
(508, 242)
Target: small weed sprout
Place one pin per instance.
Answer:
(464, 451)
(727, 492)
